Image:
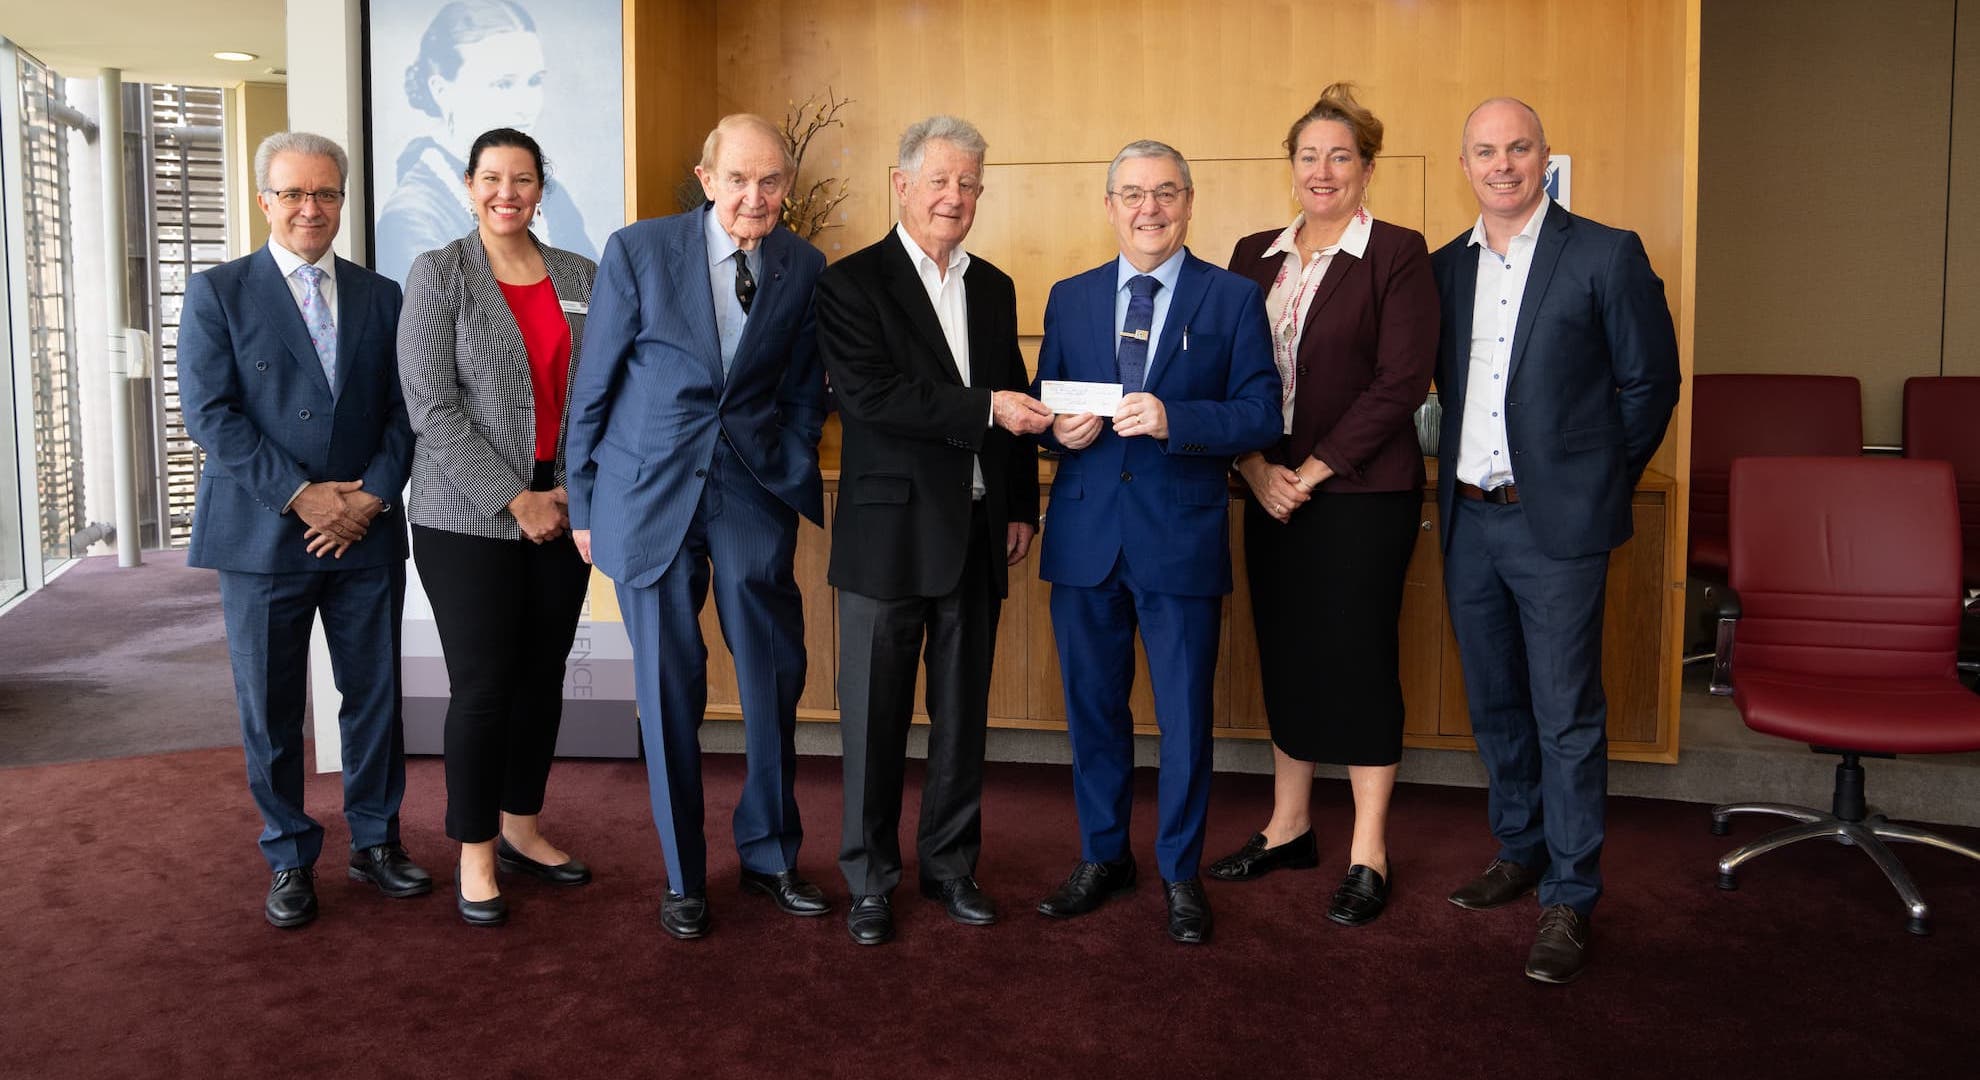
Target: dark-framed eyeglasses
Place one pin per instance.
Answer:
(1164, 196)
(293, 197)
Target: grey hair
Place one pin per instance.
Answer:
(1530, 111)
(298, 142)
(954, 130)
(1148, 148)
(735, 122)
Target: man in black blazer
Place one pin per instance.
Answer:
(938, 494)
(1558, 370)
(290, 383)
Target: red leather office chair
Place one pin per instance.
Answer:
(1942, 423)
(1735, 416)
(1845, 575)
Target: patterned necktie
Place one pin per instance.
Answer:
(316, 316)
(1132, 358)
(745, 284)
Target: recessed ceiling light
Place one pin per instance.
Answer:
(236, 57)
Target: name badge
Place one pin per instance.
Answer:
(574, 307)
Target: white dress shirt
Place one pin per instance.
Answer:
(950, 297)
(1484, 458)
(1168, 274)
(1292, 294)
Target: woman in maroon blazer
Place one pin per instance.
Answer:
(1335, 505)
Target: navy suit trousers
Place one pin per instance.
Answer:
(268, 627)
(748, 537)
(1529, 632)
(1095, 628)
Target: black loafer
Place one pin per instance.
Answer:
(1090, 885)
(291, 898)
(391, 869)
(1362, 896)
(792, 894)
(1502, 882)
(493, 911)
(870, 920)
(685, 917)
(1189, 912)
(963, 898)
(1560, 949)
(1254, 860)
(511, 861)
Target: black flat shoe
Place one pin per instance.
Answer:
(685, 917)
(510, 861)
(493, 911)
(1362, 896)
(1090, 885)
(1254, 860)
(1189, 912)
(963, 899)
(792, 894)
(870, 920)
(391, 869)
(291, 898)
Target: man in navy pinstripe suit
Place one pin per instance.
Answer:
(693, 445)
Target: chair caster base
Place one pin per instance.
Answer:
(1720, 826)
(1920, 927)
(1727, 882)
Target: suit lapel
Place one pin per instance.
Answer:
(1192, 285)
(904, 285)
(770, 289)
(1464, 297)
(1100, 309)
(494, 306)
(690, 270)
(1546, 257)
(565, 279)
(272, 293)
(1339, 268)
(353, 300)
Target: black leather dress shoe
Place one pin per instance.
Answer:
(685, 917)
(511, 861)
(1254, 860)
(963, 898)
(1091, 884)
(1189, 912)
(1502, 882)
(1362, 896)
(391, 869)
(870, 920)
(1560, 949)
(291, 898)
(793, 894)
(493, 911)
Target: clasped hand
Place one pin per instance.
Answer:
(1137, 414)
(1019, 413)
(543, 515)
(336, 513)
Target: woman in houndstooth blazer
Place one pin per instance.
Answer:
(488, 344)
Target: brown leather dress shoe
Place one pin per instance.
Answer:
(1502, 882)
(1560, 949)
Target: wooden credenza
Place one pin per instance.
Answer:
(1025, 688)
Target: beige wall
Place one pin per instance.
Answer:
(1828, 145)
(254, 112)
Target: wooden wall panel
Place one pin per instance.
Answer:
(670, 97)
(1962, 344)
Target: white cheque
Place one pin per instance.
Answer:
(1098, 398)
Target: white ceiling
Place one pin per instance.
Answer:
(152, 40)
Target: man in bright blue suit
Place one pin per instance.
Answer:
(1138, 530)
(289, 379)
(693, 440)
(1558, 371)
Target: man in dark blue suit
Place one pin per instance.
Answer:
(693, 440)
(289, 380)
(1138, 526)
(1558, 369)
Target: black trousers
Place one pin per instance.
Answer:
(881, 644)
(507, 613)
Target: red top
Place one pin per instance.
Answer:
(547, 337)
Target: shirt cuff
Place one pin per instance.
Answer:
(300, 488)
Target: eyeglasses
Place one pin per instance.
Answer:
(293, 197)
(1164, 196)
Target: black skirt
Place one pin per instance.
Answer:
(1326, 594)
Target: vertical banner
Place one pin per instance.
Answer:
(1559, 181)
(439, 74)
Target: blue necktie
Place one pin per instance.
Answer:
(316, 316)
(1132, 358)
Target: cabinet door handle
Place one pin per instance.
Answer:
(1425, 526)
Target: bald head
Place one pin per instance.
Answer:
(1539, 132)
(1504, 156)
(745, 123)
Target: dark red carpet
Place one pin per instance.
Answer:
(132, 944)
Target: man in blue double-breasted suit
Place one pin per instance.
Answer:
(1137, 532)
(693, 441)
(1558, 371)
(289, 379)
